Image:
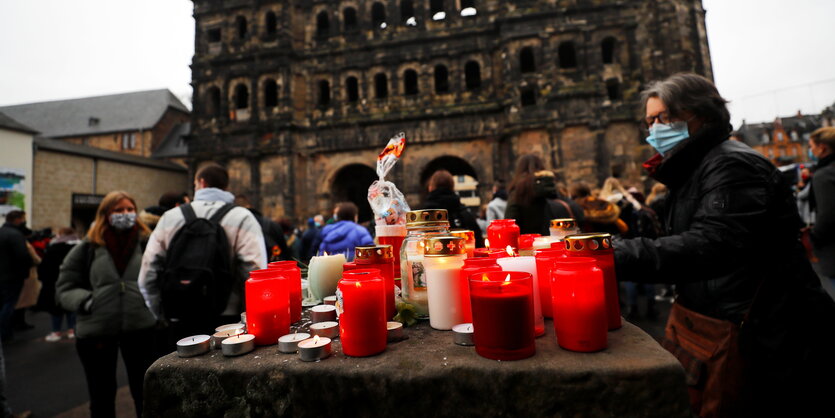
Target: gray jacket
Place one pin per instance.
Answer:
(117, 305)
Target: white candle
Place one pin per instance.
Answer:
(328, 329)
(330, 300)
(322, 313)
(193, 346)
(463, 334)
(540, 243)
(314, 349)
(289, 343)
(229, 327)
(527, 264)
(218, 337)
(323, 274)
(445, 291)
(238, 345)
(395, 331)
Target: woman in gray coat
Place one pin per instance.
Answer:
(98, 281)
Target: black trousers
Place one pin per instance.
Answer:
(99, 356)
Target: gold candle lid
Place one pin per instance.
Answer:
(463, 233)
(588, 242)
(428, 217)
(563, 223)
(374, 254)
(444, 246)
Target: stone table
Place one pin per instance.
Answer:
(425, 375)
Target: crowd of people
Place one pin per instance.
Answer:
(719, 224)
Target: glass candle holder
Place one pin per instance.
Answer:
(502, 304)
(267, 295)
(362, 324)
(580, 318)
(469, 239)
(443, 258)
(503, 233)
(527, 264)
(379, 257)
(473, 266)
(599, 247)
(295, 287)
(420, 224)
(526, 243)
(561, 228)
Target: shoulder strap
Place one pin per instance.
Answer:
(188, 212)
(567, 207)
(218, 216)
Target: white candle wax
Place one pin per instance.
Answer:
(463, 334)
(229, 327)
(193, 346)
(395, 331)
(540, 243)
(445, 291)
(289, 343)
(322, 313)
(560, 234)
(330, 300)
(238, 345)
(328, 329)
(218, 337)
(527, 264)
(313, 349)
(323, 274)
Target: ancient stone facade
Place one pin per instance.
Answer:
(298, 97)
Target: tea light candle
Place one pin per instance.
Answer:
(395, 331)
(193, 346)
(463, 334)
(527, 264)
(443, 258)
(238, 345)
(323, 274)
(362, 323)
(315, 349)
(330, 300)
(322, 313)
(229, 327)
(219, 336)
(503, 326)
(289, 343)
(328, 329)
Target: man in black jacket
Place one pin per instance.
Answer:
(742, 324)
(15, 263)
(442, 196)
(822, 145)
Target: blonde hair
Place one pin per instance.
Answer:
(824, 136)
(658, 189)
(102, 224)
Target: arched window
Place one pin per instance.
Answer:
(352, 88)
(241, 97)
(441, 79)
(271, 23)
(242, 29)
(613, 89)
(607, 49)
(527, 62)
(567, 54)
(407, 10)
(349, 18)
(213, 102)
(436, 9)
(472, 75)
(468, 8)
(324, 93)
(381, 86)
(323, 25)
(378, 15)
(528, 97)
(270, 93)
(410, 82)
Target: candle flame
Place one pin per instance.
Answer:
(487, 243)
(358, 284)
(484, 278)
(316, 339)
(324, 253)
(506, 280)
(510, 252)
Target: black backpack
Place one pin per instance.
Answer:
(198, 275)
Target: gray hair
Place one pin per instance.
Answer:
(689, 92)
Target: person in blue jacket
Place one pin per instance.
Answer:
(342, 236)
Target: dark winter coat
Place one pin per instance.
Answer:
(459, 216)
(535, 217)
(49, 270)
(823, 203)
(14, 257)
(308, 238)
(342, 237)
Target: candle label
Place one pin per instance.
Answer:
(340, 303)
(418, 275)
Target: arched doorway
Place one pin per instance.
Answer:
(466, 178)
(351, 184)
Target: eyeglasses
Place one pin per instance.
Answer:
(662, 117)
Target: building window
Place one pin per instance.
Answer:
(349, 18)
(213, 102)
(410, 82)
(241, 97)
(779, 137)
(468, 8)
(352, 88)
(378, 15)
(323, 25)
(441, 79)
(214, 35)
(242, 29)
(128, 141)
(271, 23)
(436, 9)
(472, 75)
(607, 48)
(613, 89)
(407, 10)
(567, 55)
(381, 88)
(324, 93)
(270, 93)
(527, 63)
(528, 97)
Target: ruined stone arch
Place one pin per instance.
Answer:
(350, 182)
(350, 16)
(454, 164)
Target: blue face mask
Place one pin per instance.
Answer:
(665, 136)
(812, 157)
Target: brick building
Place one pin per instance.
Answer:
(298, 97)
(784, 141)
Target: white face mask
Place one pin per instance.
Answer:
(122, 221)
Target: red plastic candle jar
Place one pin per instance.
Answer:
(503, 232)
(295, 287)
(362, 324)
(545, 260)
(392, 235)
(379, 257)
(579, 305)
(267, 295)
(599, 247)
(490, 253)
(350, 266)
(474, 266)
(469, 240)
(526, 243)
(503, 315)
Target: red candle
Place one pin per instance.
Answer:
(379, 257)
(295, 287)
(392, 235)
(545, 260)
(267, 297)
(599, 247)
(473, 266)
(502, 304)
(503, 232)
(362, 324)
(350, 266)
(579, 305)
(526, 243)
(489, 252)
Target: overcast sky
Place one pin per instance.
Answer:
(770, 57)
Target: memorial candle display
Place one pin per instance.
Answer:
(503, 232)
(469, 239)
(599, 247)
(362, 324)
(561, 228)
(473, 266)
(579, 305)
(295, 286)
(267, 306)
(323, 274)
(380, 257)
(443, 258)
(527, 264)
(503, 326)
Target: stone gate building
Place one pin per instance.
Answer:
(297, 97)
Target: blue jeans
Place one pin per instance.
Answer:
(57, 319)
(9, 293)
